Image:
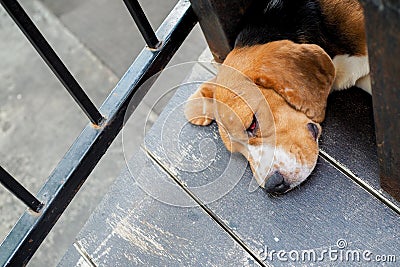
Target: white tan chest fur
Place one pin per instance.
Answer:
(350, 71)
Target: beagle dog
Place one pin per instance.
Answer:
(269, 95)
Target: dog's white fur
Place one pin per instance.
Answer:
(350, 71)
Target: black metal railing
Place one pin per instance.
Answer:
(105, 123)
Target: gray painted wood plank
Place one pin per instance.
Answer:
(327, 208)
(72, 258)
(349, 136)
(132, 228)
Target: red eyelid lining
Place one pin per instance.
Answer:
(252, 126)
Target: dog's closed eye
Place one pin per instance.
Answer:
(251, 131)
(313, 128)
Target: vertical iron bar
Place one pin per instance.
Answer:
(142, 23)
(19, 191)
(26, 25)
(220, 22)
(383, 34)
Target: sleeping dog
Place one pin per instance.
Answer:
(270, 93)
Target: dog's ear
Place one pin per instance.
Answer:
(302, 74)
(199, 107)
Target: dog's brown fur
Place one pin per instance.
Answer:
(286, 86)
(346, 17)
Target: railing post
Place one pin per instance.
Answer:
(220, 23)
(19, 191)
(142, 23)
(32, 33)
(383, 34)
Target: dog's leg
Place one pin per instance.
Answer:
(350, 71)
(199, 107)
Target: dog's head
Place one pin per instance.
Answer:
(268, 101)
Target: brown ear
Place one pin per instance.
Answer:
(199, 107)
(302, 74)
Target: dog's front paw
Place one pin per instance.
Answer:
(201, 121)
(198, 110)
(199, 107)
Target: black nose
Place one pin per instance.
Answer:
(276, 184)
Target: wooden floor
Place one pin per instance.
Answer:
(184, 200)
